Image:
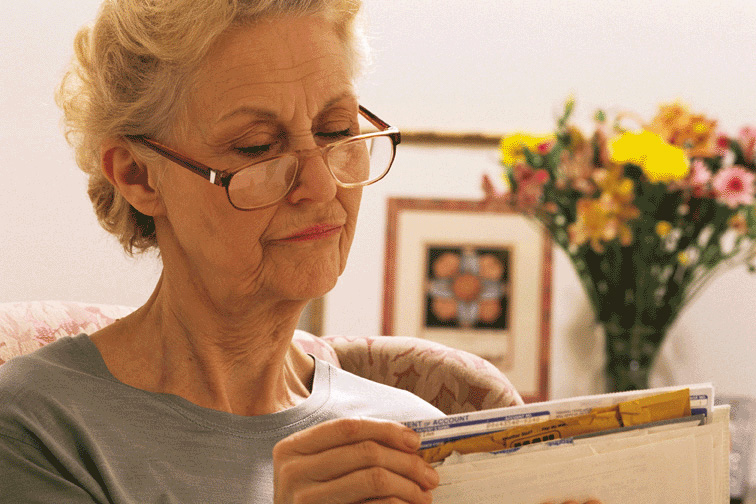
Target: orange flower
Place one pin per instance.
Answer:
(605, 218)
(614, 185)
(591, 225)
(695, 133)
(601, 220)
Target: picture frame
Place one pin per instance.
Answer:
(474, 277)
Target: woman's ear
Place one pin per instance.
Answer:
(130, 177)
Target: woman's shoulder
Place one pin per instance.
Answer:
(48, 375)
(67, 353)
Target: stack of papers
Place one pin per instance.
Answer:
(681, 460)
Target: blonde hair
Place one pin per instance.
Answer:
(132, 68)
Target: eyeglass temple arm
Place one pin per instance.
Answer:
(214, 176)
(380, 123)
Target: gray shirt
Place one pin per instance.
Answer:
(70, 432)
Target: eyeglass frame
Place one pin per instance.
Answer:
(223, 179)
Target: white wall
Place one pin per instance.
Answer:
(509, 65)
(52, 246)
(438, 64)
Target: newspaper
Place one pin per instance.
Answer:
(684, 460)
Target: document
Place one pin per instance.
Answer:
(675, 460)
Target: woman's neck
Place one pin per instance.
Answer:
(239, 361)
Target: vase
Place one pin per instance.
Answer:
(630, 355)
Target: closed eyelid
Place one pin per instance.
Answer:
(265, 127)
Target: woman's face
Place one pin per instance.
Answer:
(278, 85)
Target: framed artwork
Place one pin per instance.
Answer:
(471, 277)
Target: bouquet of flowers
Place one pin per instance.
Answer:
(647, 214)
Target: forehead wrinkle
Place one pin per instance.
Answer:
(281, 74)
(273, 81)
(313, 100)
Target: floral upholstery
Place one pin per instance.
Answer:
(452, 380)
(27, 326)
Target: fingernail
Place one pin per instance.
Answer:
(428, 496)
(431, 476)
(412, 439)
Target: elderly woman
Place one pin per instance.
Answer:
(226, 134)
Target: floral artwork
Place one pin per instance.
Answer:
(647, 212)
(472, 277)
(467, 287)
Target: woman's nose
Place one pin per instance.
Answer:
(314, 181)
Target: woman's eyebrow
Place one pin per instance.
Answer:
(338, 98)
(258, 112)
(268, 115)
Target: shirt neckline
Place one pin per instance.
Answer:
(290, 419)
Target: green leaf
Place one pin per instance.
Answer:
(569, 106)
(533, 159)
(737, 150)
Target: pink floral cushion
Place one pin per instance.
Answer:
(317, 347)
(452, 380)
(27, 326)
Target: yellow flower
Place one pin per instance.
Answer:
(663, 228)
(512, 147)
(660, 161)
(739, 223)
(683, 258)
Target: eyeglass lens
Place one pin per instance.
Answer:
(357, 162)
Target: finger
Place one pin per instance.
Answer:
(340, 461)
(368, 484)
(345, 431)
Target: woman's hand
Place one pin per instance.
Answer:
(352, 460)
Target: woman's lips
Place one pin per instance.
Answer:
(314, 233)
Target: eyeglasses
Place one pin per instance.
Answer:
(356, 161)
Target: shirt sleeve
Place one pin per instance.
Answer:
(30, 477)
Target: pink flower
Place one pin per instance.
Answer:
(529, 186)
(722, 145)
(747, 141)
(544, 148)
(733, 186)
(699, 176)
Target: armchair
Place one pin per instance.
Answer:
(452, 380)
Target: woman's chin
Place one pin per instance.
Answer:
(312, 288)
(311, 278)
